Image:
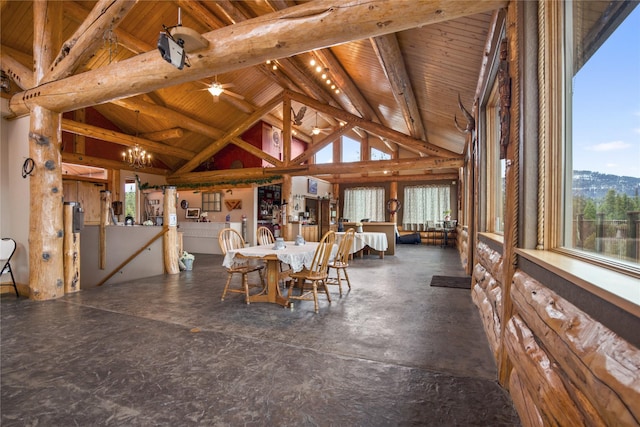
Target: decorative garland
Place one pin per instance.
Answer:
(198, 185)
(398, 206)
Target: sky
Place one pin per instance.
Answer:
(606, 105)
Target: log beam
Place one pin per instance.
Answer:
(46, 228)
(375, 128)
(276, 35)
(87, 38)
(388, 52)
(235, 132)
(78, 128)
(20, 74)
(170, 241)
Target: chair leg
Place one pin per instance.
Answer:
(315, 296)
(245, 285)
(339, 279)
(326, 290)
(13, 280)
(347, 277)
(226, 286)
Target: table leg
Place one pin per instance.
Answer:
(272, 294)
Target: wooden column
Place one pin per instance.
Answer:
(105, 204)
(71, 251)
(170, 241)
(393, 194)
(285, 193)
(45, 182)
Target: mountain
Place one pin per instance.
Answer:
(595, 184)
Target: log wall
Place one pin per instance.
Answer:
(568, 369)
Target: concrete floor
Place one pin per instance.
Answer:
(165, 351)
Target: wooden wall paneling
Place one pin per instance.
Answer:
(553, 396)
(603, 366)
(522, 400)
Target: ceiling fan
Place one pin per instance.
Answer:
(317, 130)
(216, 89)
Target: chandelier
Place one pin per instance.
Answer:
(136, 157)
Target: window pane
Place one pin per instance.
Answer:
(603, 146)
(325, 155)
(130, 198)
(425, 206)
(360, 203)
(379, 155)
(350, 150)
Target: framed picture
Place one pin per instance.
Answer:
(193, 213)
(313, 186)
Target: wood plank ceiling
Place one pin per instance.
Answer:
(401, 87)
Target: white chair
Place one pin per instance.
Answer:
(7, 249)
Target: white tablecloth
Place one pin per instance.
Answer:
(296, 256)
(376, 241)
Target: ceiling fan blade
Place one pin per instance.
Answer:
(235, 95)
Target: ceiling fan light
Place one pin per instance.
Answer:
(216, 89)
(315, 131)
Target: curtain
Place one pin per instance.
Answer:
(424, 205)
(364, 202)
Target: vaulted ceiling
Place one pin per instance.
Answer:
(398, 68)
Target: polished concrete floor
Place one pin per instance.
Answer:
(165, 351)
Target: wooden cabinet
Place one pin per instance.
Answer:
(310, 233)
(327, 216)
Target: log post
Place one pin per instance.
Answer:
(71, 251)
(287, 207)
(393, 194)
(105, 204)
(170, 241)
(45, 183)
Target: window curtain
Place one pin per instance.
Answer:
(424, 205)
(364, 202)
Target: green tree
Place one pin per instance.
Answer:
(589, 210)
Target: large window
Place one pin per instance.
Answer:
(425, 205)
(496, 167)
(325, 155)
(602, 128)
(350, 149)
(379, 155)
(364, 202)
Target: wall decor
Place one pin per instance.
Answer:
(312, 186)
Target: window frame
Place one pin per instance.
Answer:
(604, 280)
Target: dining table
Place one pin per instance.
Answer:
(367, 239)
(296, 256)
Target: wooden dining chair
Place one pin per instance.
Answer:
(308, 279)
(230, 239)
(341, 261)
(265, 236)
(7, 249)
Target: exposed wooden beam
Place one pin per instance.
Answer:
(22, 75)
(82, 159)
(365, 166)
(124, 139)
(235, 132)
(375, 128)
(397, 178)
(201, 13)
(79, 14)
(275, 35)
(347, 86)
(388, 52)
(317, 146)
(88, 37)
(163, 135)
(252, 149)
